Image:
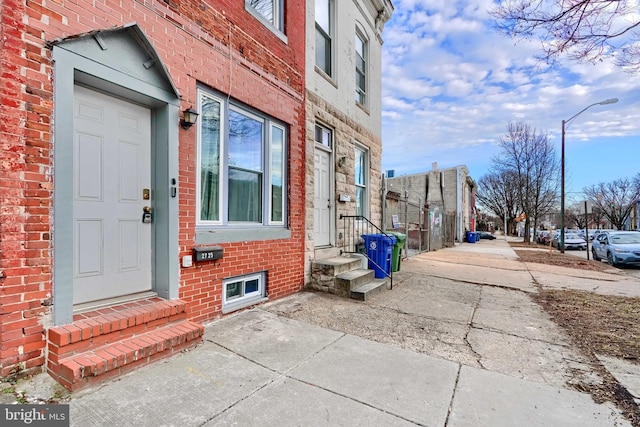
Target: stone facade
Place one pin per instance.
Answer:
(331, 103)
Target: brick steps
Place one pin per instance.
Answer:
(107, 345)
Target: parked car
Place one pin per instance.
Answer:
(571, 241)
(543, 237)
(617, 247)
(592, 233)
(485, 235)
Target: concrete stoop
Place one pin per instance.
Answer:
(109, 342)
(344, 276)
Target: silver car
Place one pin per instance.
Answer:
(617, 247)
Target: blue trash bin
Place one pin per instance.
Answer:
(472, 236)
(379, 249)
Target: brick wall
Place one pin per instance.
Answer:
(25, 192)
(196, 41)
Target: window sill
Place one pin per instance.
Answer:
(363, 108)
(267, 24)
(209, 235)
(326, 76)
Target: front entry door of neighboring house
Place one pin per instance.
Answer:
(322, 198)
(111, 179)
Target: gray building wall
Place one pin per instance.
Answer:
(444, 190)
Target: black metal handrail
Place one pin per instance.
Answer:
(353, 227)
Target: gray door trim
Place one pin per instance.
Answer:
(71, 68)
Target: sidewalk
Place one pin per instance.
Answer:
(259, 369)
(457, 342)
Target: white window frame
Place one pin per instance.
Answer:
(244, 299)
(267, 161)
(275, 22)
(325, 130)
(361, 92)
(327, 36)
(364, 186)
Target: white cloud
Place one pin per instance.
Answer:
(451, 85)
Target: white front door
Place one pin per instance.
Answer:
(111, 177)
(322, 198)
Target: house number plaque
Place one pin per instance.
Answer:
(207, 253)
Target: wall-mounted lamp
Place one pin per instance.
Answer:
(189, 118)
(342, 160)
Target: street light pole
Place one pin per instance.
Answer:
(562, 192)
(564, 123)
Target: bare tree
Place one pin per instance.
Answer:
(615, 199)
(530, 159)
(583, 30)
(576, 218)
(497, 193)
(597, 216)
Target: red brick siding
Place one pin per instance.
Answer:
(194, 39)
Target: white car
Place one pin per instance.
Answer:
(571, 241)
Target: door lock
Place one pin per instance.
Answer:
(147, 216)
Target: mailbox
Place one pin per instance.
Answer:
(207, 253)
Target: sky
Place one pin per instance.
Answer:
(451, 84)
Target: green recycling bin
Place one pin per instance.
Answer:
(397, 249)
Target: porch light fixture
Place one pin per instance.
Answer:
(189, 118)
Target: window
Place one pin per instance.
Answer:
(241, 158)
(361, 177)
(361, 69)
(239, 292)
(323, 136)
(323, 35)
(269, 10)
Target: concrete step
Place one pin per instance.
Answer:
(369, 289)
(332, 267)
(109, 342)
(349, 280)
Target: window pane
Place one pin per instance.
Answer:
(245, 141)
(359, 45)
(360, 81)
(210, 160)
(323, 136)
(234, 290)
(361, 181)
(323, 16)
(360, 168)
(323, 51)
(277, 173)
(361, 71)
(264, 8)
(360, 64)
(245, 196)
(251, 286)
(360, 193)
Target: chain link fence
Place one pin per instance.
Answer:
(427, 228)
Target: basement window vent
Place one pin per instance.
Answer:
(243, 291)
